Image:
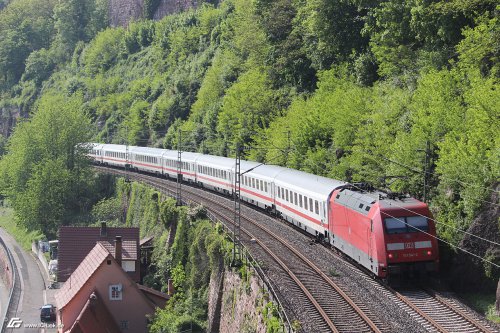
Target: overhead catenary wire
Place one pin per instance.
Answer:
(433, 173)
(429, 186)
(446, 242)
(440, 239)
(416, 213)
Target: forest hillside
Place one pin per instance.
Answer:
(401, 94)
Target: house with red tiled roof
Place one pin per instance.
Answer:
(101, 297)
(76, 242)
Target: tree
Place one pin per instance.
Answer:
(25, 26)
(246, 107)
(45, 173)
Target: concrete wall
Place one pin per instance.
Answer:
(41, 257)
(7, 277)
(5, 268)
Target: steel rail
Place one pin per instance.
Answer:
(349, 301)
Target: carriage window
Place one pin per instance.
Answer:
(253, 182)
(316, 206)
(258, 185)
(286, 195)
(310, 204)
(300, 200)
(295, 196)
(265, 186)
(282, 193)
(279, 193)
(305, 203)
(261, 185)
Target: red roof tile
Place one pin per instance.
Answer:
(81, 275)
(76, 242)
(157, 297)
(94, 318)
(129, 249)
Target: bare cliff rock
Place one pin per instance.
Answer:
(121, 12)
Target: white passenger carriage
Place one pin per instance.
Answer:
(95, 152)
(188, 167)
(216, 173)
(147, 159)
(302, 199)
(257, 184)
(115, 155)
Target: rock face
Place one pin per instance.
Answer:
(8, 117)
(235, 304)
(167, 7)
(121, 12)
(467, 269)
(497, 303)
(241, 305)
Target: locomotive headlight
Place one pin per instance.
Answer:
(429, 252)
(389, 255)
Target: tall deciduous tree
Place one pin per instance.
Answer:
(45, 172)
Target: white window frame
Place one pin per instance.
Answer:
(117, 288)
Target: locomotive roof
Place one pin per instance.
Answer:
(309, 182)
(409, 203)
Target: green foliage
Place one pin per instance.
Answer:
(246, 107)
(45, 173)
(21, 234)
(107, 210)
(39, 66)
(299, 76)
(271, 318)
(104, 51)
(479, 48)
(331, 31)
(25, 28)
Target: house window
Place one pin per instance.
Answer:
(124, 325)
(115, 292)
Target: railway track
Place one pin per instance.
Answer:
(328, 306)
(433, 311)
(441, 314)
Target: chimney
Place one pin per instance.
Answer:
(170, 287)
(118, 250)
(104, 230)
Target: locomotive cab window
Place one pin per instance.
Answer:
(408, 224)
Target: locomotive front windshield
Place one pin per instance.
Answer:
(402, 225)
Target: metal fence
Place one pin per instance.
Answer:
(248, 259)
